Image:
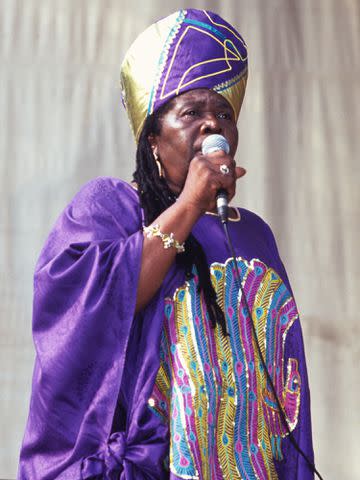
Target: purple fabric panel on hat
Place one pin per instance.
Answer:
(204, 51)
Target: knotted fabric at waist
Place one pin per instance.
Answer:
(108, 462)
(144, 457)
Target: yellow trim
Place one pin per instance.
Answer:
(228, 29)
(236, 219)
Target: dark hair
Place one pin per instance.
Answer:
(155, 197)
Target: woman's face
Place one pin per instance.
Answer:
(190, 118)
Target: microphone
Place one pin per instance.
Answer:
(215, 143)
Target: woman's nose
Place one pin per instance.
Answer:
(211, 124)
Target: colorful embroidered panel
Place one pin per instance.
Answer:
(224, 422)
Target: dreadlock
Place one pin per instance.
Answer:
(155, 197)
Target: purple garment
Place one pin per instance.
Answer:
(96, 362)
(89, 346)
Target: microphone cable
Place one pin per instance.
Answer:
(267, 374)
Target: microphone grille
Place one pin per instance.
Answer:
(214, 143)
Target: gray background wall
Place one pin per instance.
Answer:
(62, 123)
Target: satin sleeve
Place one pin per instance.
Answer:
(85, 288)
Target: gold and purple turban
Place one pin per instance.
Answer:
(186, 50)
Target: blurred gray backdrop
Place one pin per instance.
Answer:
(62, 123)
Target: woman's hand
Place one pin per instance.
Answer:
(204, 179)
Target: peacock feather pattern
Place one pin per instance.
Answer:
(224, 422)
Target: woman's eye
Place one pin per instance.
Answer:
(191, 113)
(224, 115)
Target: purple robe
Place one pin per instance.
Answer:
(97, 362)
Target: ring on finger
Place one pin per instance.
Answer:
(224, 169)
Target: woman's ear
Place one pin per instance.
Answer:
(151, 140)
(153, 145)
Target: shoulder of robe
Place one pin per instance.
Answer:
(104, 209)
(261, 229)
(254, 221)
(107, 199)
(264, 230)
(106, 192)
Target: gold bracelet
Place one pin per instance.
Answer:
(168, 240)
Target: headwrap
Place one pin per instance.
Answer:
(186, 50)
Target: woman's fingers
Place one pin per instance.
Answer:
(218, 159)
(206, 177)
(239, 172)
